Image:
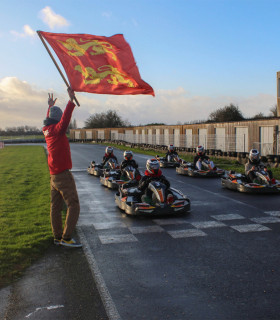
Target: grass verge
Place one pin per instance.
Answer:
(25, 230)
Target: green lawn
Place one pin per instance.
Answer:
(22, 137)
(25, 230)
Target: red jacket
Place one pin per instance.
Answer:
(59, 155)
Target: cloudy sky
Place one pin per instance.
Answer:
(198, 55)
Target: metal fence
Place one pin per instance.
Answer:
(224, 143)
(236, 143)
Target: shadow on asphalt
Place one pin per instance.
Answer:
(58, 286)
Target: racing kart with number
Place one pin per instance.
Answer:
(174, 161)
(95, 169)
(111, 174)
(242, 183)
(189, 169)
(163, 202)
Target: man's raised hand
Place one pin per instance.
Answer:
(51, 101)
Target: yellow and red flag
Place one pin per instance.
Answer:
(98, 64)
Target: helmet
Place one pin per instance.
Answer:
(254, 155)
(128, 155)
(109, 150)
(152, 166)
(171, 147)
(200, 150)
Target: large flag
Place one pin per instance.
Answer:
(98, 64)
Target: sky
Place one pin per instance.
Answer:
(198, 55)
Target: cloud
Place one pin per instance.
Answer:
(107, 14)
(52, 19)
(27, 32)
(21, 103)
(24, 104)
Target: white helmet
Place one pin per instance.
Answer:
(171, 147)
(254, 155)
(109, 150)
(200, 150)
(128, 155)
(152, 166)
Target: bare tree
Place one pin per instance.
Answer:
(273, 111)
(259, 115)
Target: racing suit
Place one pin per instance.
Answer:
(107, 157)
(198, 164)
(147, 178)
(126, 163)
(170, 154)
(251, 167)
(132, 163)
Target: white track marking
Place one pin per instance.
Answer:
(273, 213)
(44, 308)
(266, 220)
(147, 229)
(188, 233)
(119, 238)
(250, 228)
(225, 217)
(107, 300)
(208, 224)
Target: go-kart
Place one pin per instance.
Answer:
(189, 169)
(242, 183)
(162, 202)
(111, 174)
(95, 169)
(173, 161)
(130, 176)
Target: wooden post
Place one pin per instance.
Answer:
(57, 66)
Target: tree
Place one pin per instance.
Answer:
(259, 115)
(227, 113)
(155, 124)
(109, 119)
(273, 111)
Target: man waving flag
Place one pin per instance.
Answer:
(98, 64)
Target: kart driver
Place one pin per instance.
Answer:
(170, 153)
(152, 173)
(109, 154)
(255, 164)
(129, 161)
(201, 156)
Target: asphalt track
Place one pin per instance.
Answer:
(221, 261)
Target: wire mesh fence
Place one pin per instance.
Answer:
(224, 143)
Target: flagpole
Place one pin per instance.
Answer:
(57, 66)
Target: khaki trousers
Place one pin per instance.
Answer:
(63, 189)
